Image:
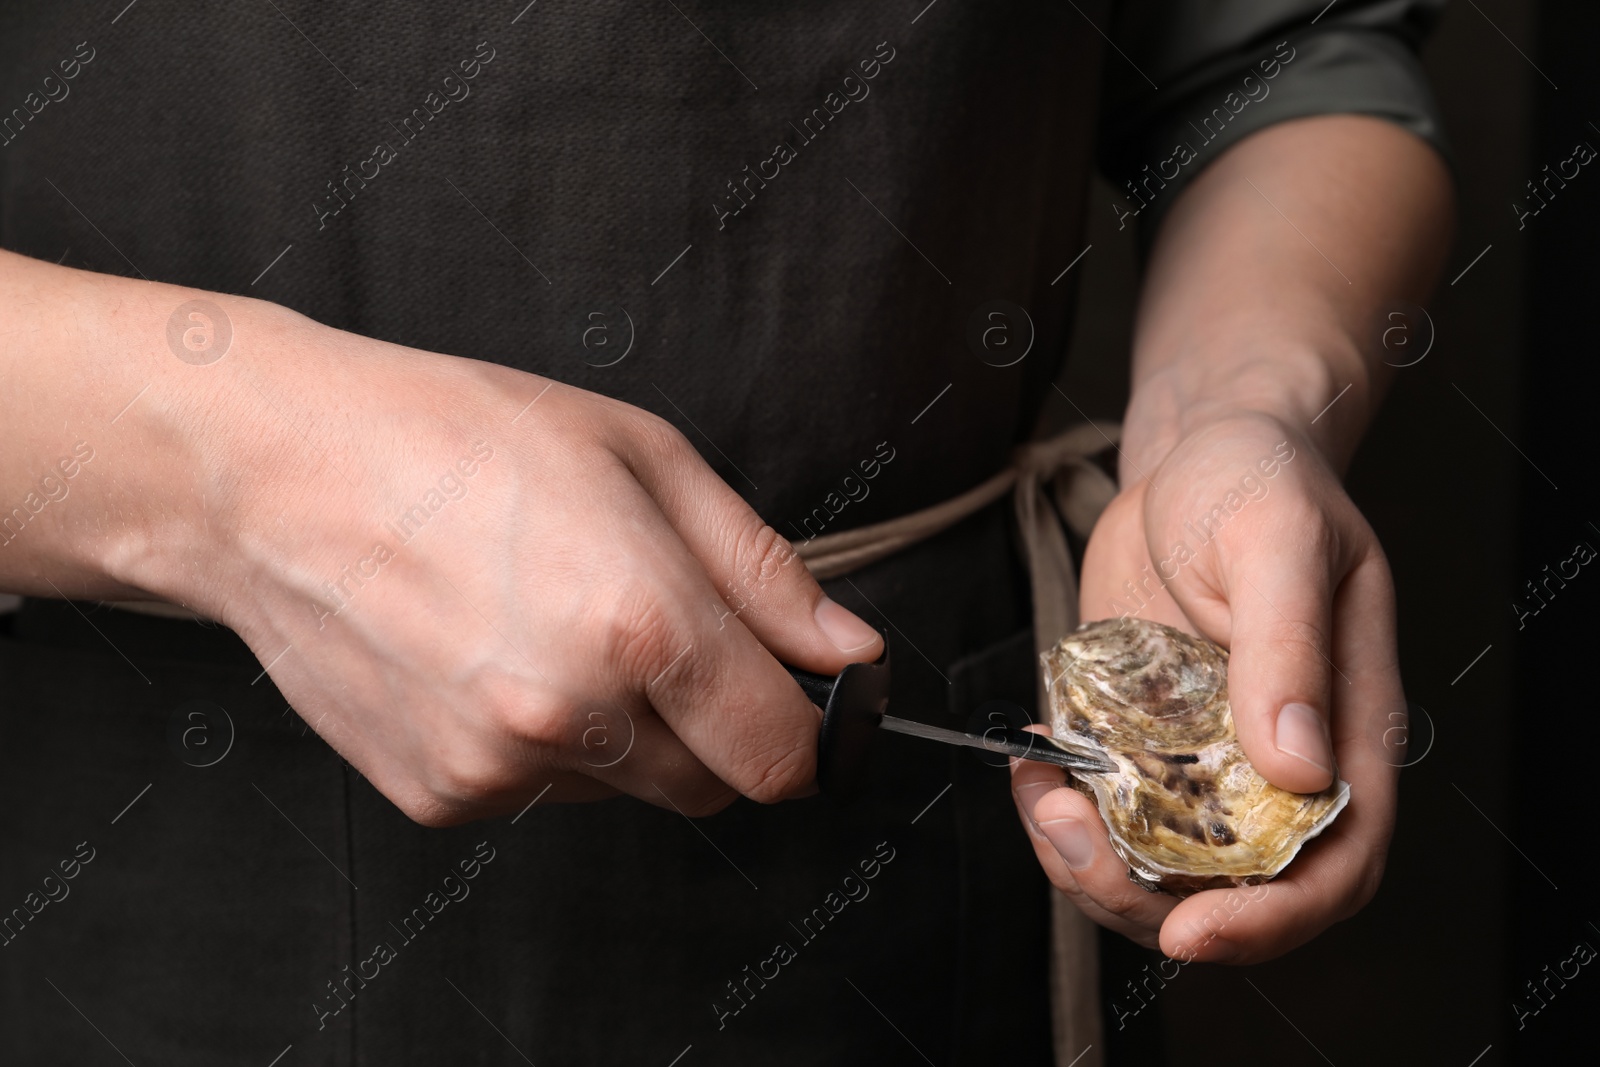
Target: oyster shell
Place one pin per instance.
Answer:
(1184, 808)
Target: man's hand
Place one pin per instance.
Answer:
(592, 590)
(1254, 343)
(1281, 568)
(473, 582)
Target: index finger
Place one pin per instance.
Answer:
(672, 644)
(754, 568)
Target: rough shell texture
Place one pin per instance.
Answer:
(1184, 808)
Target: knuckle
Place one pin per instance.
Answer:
(1372, 552)
(1306, 516)
(1366, 887)
(469, 778)
(528, 717)
(1123, 904)
(1061, 877)
(640, 439)
(775, 776)
(760, 554)
(656, 435)
(422, 807)
(429, 816)
(1301, 641)
(463, 773)
(632, 633)
(706, 802)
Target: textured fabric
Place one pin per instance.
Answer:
(498, 180)
(1196, 78)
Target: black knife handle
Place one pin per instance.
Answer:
(852, 706)
(819, 687)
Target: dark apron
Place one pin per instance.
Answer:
(219, 918)
(222, 897)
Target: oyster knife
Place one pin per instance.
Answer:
(853, 707)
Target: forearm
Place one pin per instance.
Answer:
(1269, 275)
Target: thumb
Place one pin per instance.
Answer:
(1279, 667)
(764, 585)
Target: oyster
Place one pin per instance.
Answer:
(1184, 808)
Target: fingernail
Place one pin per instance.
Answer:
(1070, 838)
(1028, 798)
(1302, 734)
(847, 632)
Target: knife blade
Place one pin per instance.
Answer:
(1001, 739)
(853, 707)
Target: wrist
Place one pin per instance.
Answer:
(225, 425)
(135, 385)
(1323, 395)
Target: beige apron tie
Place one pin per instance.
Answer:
(1062, 467)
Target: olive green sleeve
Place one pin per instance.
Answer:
(1187, 78)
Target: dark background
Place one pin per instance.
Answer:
(1484, 886)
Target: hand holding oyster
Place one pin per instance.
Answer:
(1184, 809)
